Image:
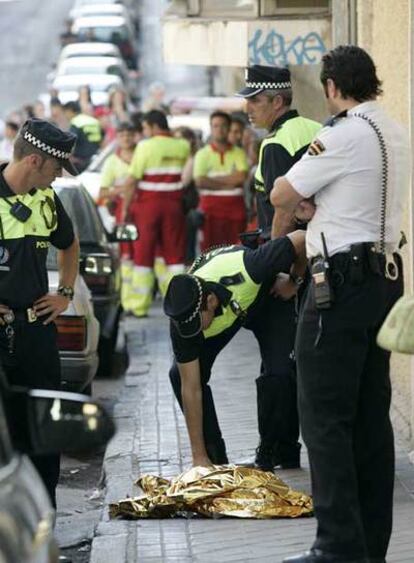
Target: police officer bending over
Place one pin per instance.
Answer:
(31, 218)
(358, 171)
(227, 288)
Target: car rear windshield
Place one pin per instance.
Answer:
(106, 34)
(74, 69)
(86, 222)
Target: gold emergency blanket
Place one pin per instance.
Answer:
(220, 490)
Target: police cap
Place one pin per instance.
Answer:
(183, 302)
(260, 78)
(51, 140)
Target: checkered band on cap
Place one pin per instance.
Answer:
(200, 299)
(270, 85)
(56, 153)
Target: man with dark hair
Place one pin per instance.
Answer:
(227, 288)
(357, 170)
(88, 132)
(153, 197)
(220, 170)
(237, 127)
(31, 218)
(268, 94)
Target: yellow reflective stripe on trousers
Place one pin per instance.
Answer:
(126, 284)
(141, 290)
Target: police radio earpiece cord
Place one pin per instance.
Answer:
(391, 268)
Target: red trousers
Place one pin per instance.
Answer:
(224, 220)
(160, 220)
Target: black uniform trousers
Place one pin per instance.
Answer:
(344, 395)
(273, 324)
(35, 364)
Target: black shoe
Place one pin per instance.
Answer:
(268, 458)
(287, 456)
(264, 458)
(318, 556)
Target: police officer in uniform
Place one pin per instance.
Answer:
(357, 170)
(227, 288)
(31, 218)
(268, 95)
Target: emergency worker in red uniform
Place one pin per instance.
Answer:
(220, 170)
(155, 172)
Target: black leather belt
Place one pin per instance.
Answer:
(29, 315)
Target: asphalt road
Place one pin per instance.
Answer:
(29, 45)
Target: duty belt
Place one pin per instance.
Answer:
(362, 257)
(29, 315)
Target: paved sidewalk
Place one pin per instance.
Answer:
(152, 438)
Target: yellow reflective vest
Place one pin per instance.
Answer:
(90, 127)
(226, 266)
(294, 135)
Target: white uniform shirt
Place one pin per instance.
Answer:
(345, 178)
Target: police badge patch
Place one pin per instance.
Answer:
(4, 258)
(316, 147)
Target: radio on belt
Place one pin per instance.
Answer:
(320, 275)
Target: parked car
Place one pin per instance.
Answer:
(100, 262)
(78, 333)
(59, 422)
(113, 29)
(102, 9)
(100, 85)
(79, 5)
(87, 49)
(96, 66)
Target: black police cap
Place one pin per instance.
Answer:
(51, 140)
(260, 78)
(182, 303)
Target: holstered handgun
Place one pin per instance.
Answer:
(251, 239)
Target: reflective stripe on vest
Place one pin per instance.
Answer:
(90, 126)
(293, 135)
(164, 165)
(41, 223)
(163, 179)
(228, 262)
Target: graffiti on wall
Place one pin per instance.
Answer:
(268, 47)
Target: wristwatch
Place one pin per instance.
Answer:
(66, 291)
(297, 280)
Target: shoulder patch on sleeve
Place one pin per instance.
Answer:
(316, 147)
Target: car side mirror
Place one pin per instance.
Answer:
(58, 421)
(124, 233)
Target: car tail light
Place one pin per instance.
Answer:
(71, 333)
(96, 271)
